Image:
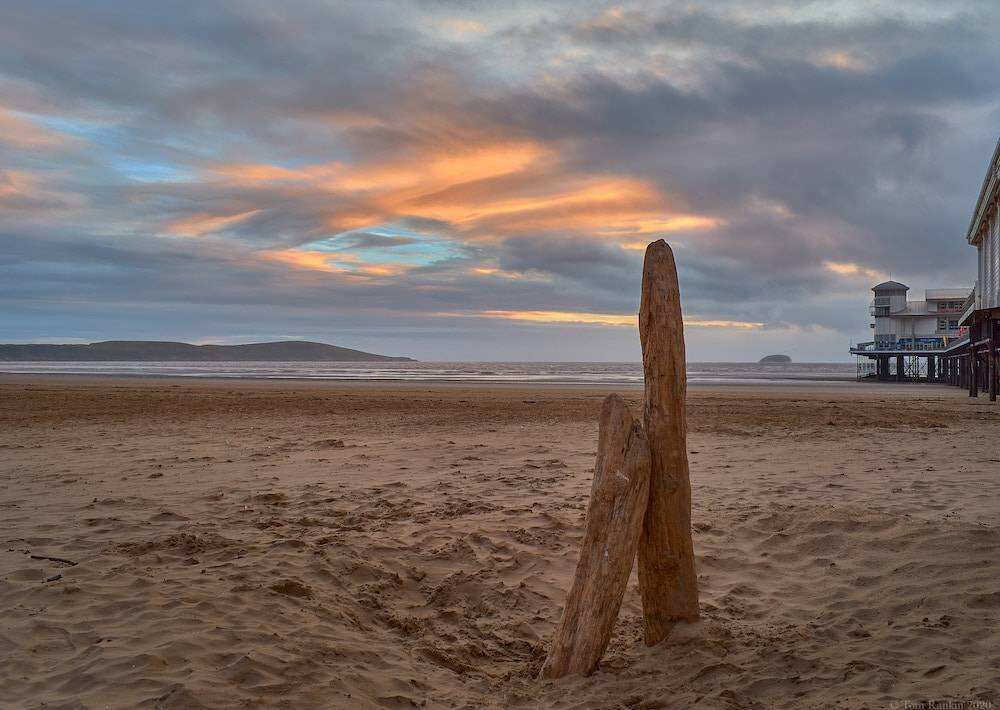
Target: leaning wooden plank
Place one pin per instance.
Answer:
(667, 578)
(614, 522)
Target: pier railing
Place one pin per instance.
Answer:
(873, 347)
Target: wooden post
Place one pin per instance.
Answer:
(667, 578)
(618, 499)
(899, 368)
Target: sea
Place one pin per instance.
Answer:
(567, 373)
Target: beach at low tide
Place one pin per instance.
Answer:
(291, 543)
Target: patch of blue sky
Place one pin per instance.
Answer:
(138, 170)
(92, 131)
(397, 245)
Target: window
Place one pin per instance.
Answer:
(942, 324)
(953, 325)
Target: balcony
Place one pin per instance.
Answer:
(931, 344)
(871, 346)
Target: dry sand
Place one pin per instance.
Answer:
(248, 544)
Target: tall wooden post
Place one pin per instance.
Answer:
(930, 369)
(899, 368)
(667, 579)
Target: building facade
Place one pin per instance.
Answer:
(928, 324)
(984, 234)
(912, 337)
(982, 317)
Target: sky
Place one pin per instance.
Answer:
(478, 180)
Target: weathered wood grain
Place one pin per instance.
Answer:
(615, 516)
(667, 578)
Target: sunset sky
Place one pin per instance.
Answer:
(477, 180)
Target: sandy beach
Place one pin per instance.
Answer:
(320, 544)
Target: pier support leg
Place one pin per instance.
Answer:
(930, 368)
(992, 360)
(973, 374)
(899, 368)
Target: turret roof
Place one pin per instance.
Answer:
(890, 286)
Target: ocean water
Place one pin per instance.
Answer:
(570, 373)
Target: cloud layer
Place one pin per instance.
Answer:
(477, 180)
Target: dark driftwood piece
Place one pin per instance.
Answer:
(71, 563)
(618, 500)
(667, 578)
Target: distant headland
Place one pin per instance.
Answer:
(774, 360)
(153, 351)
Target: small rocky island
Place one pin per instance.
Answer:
(774, 360)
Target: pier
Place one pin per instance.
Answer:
(953, 335)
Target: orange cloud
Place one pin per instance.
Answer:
(844, 60)
(15, 182)
(846, 268)
(497, 188)
(200, 224)
(428, 172)
(300, 259)
(494, 272)
(346, 264)
(458, 28)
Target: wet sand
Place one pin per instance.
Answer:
(320, 544)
